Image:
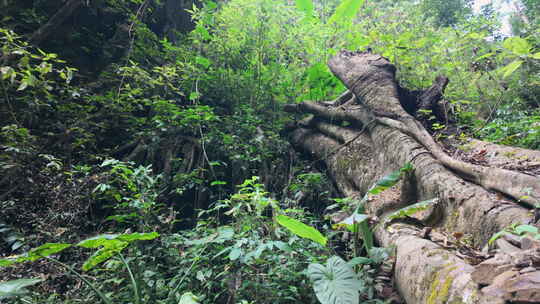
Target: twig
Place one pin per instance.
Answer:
(132, 41)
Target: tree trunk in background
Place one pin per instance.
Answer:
(56, 20)
(178, 20)
(382, 135)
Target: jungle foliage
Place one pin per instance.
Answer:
(120, 123)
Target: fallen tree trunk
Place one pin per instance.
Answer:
(477, 200)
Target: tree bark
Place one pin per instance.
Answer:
(477, 200)
(56, 20)
(178, 20)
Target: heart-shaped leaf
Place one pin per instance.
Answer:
(335, 283)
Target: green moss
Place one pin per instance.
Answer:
(433, 290)
(509, 154)
(438, 251)
(452, 219)
(466, 147)
(440, 287)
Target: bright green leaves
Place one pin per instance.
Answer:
(111, 244)
(44, 250)
(520, 230)
(358, 221)
(97, 241)
(385, 183)
(321, 82)
(202, 32)
(335, 283)
(346, 11)
(110, 249)
(510, 68)
(218, 183)
(16, 288)
(517, 45)
(520, 48)
(410, 210)
(523, 229)
(305, 6)
(137, 236)
(301, 229)
(202, 61)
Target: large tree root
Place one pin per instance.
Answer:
(380, 138)
(521, 187)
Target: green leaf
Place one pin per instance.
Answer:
(23, 85)
(390, 180)
(521, 229)
(410, 210)
(7, 262)
(235, 254)
(194, 96)
(346, 11)
(352, 220)
(111, 248)
(16, 288)
(223, 233)
(517, 45)
(97, 241)
(105, 239)
(355, 219)
(109, 162)
(211, 5)
(305, 6)
(138, 236)
(510, 68)
(216, 183)
(359, 261)
(44, 250)
(377, 255)
(487, 55)
(189, 298)
(202, 31)
(496, 236)
(282, 246)
(301, 229)
(336, 283)
(6, 72)
(112, 244)
(536, 55)
(317, 72)
(205, 62)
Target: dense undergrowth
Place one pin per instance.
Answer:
(117, 124)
